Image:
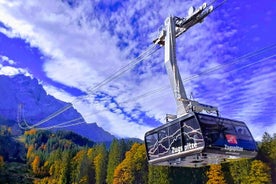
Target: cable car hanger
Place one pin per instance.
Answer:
(173, 28)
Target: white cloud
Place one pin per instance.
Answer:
(9, 70)
(85, 44)
(5, 59)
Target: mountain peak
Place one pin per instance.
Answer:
(24, 95)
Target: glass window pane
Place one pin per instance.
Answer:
(212, 129)
(163, 142)
(243, 133)
(175, 138)
(152, 145)
(192, 134)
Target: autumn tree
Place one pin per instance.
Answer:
(100, 163)
(215, 175)
(259, 173)
(115, 157)
(133, 169)
(35, 165)
(60, 169)
(30, 132)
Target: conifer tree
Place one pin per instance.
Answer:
(91, 172)
(114, 158)
(65, 171)
(215, 175)
(267, 153)
(81, 167)
(239, 170)
(158, 175)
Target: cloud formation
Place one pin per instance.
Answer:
(85, 42)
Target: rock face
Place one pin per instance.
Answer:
(25, 96)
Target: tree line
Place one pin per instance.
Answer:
(66, 158)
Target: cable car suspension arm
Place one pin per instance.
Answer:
(174, 27)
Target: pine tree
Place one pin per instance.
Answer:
(114, 158)
(215, 175)
(80, 163)
(65, 171)
(158, 175)
(267, 153)
(91, 172)
(239, 170)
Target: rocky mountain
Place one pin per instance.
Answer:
(23, 98)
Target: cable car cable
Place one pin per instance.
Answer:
(119, 72)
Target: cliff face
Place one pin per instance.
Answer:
(25, 95)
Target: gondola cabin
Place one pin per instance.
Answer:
(197, 140)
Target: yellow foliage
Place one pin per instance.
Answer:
(46, 180)
(35, 165)
(122, 175)
(30, 132)
(125, 172)
(215, 175)
(83, 180)
(259, 173)
(79, 156)
(89, 153)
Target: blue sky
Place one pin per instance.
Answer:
(71, 46)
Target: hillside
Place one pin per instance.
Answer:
(36, 105)
(16, 153)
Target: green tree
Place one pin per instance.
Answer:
(65, 169)
(91, 172)
(259, 173)
(267, 153)
(158, 175)
(115, 157)
(239, 170)
(81, 167)
(215, 175)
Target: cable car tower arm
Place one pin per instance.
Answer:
(174, 27)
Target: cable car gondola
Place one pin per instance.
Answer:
(194, 139)
(197, 140)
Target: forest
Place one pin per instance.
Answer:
(45, 157)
